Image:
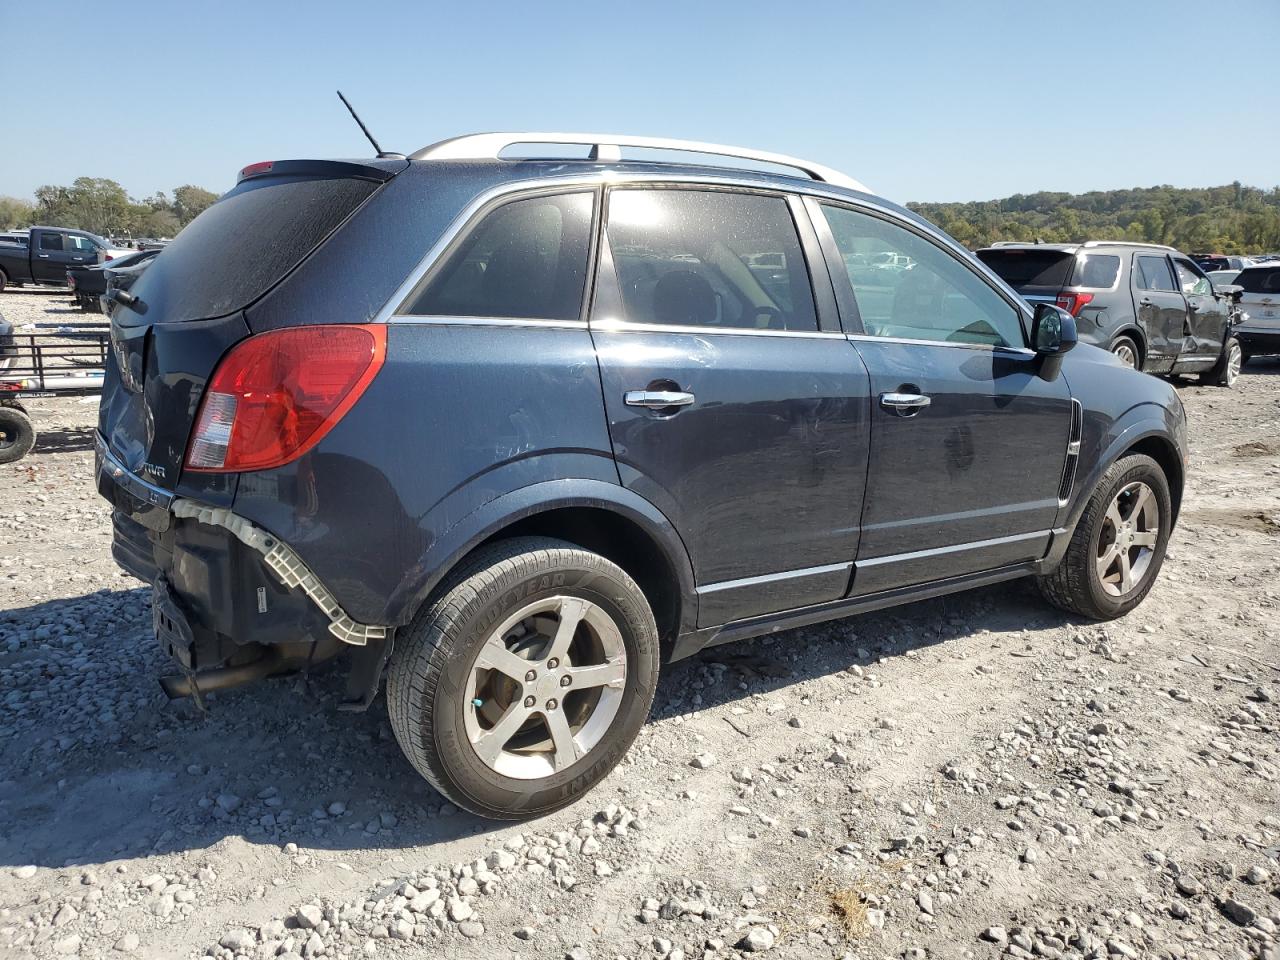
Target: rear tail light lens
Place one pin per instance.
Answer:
(275, 395)
(1073, 303)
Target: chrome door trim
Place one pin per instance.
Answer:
(954, 548)
(774, 577)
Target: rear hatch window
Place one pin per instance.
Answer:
(1020, 268)
(1259, 280)
(227, 258)
(240, 247)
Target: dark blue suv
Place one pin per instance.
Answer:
(517, 419)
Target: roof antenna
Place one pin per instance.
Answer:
(382, 154)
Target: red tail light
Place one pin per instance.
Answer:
(275, 395)
(107, 258)
(1073, 303)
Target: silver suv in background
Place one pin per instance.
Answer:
(1150, 305)
(1259, 332)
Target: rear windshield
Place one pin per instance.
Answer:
(1259, 280)
(1029, 268)
(238, 249)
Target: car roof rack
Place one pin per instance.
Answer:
(607, 148)
(1127, 243)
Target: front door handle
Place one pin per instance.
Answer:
(657, 399)
(43, 256)
(904, 404)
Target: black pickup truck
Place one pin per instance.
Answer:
(48, 253)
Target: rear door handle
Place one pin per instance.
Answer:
(657, 399)
(904, 404)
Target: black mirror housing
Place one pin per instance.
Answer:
(1053, 334)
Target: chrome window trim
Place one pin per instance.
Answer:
(613, 325)
(774, 577)
(989, 347)
(410, 319)
(606, 178)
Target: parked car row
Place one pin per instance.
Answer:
(1153, 307)
(43, 255)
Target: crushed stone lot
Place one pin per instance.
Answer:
(975, 776)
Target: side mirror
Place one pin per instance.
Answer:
(1053, 334)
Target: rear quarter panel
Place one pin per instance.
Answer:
(458, 416)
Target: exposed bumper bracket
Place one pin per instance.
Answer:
(286, 565)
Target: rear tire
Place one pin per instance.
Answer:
(500, 709)
(1126, 351)
(17, 434)
(4, 281)
(1227, 370)
(1085, 582)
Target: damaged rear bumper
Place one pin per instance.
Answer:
(228, 596)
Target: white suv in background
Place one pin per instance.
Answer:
(1259, 332)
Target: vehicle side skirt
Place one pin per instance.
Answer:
(691, 643)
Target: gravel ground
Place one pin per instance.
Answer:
(968, 777)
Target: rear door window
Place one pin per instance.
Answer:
(50, 241)
(525, 260)
(1153, 273)
(1096, 270)
(704, 258)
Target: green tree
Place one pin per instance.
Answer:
(16, 213)
(189, 202)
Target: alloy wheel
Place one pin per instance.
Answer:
(1127, 543)
(545, 687)
(1124, 353)
(1234, 362)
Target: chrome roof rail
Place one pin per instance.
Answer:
(1127, 243)
(607, 148)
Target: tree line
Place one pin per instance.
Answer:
(1229, 219)
(104, 207)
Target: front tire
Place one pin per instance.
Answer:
(525, 681)
(1227, 370)
(1118, 545)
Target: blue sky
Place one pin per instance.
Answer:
(921, 101)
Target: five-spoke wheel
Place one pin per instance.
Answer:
(1118, 545)
(545, 687)
(1131, 529)
(524, 681)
